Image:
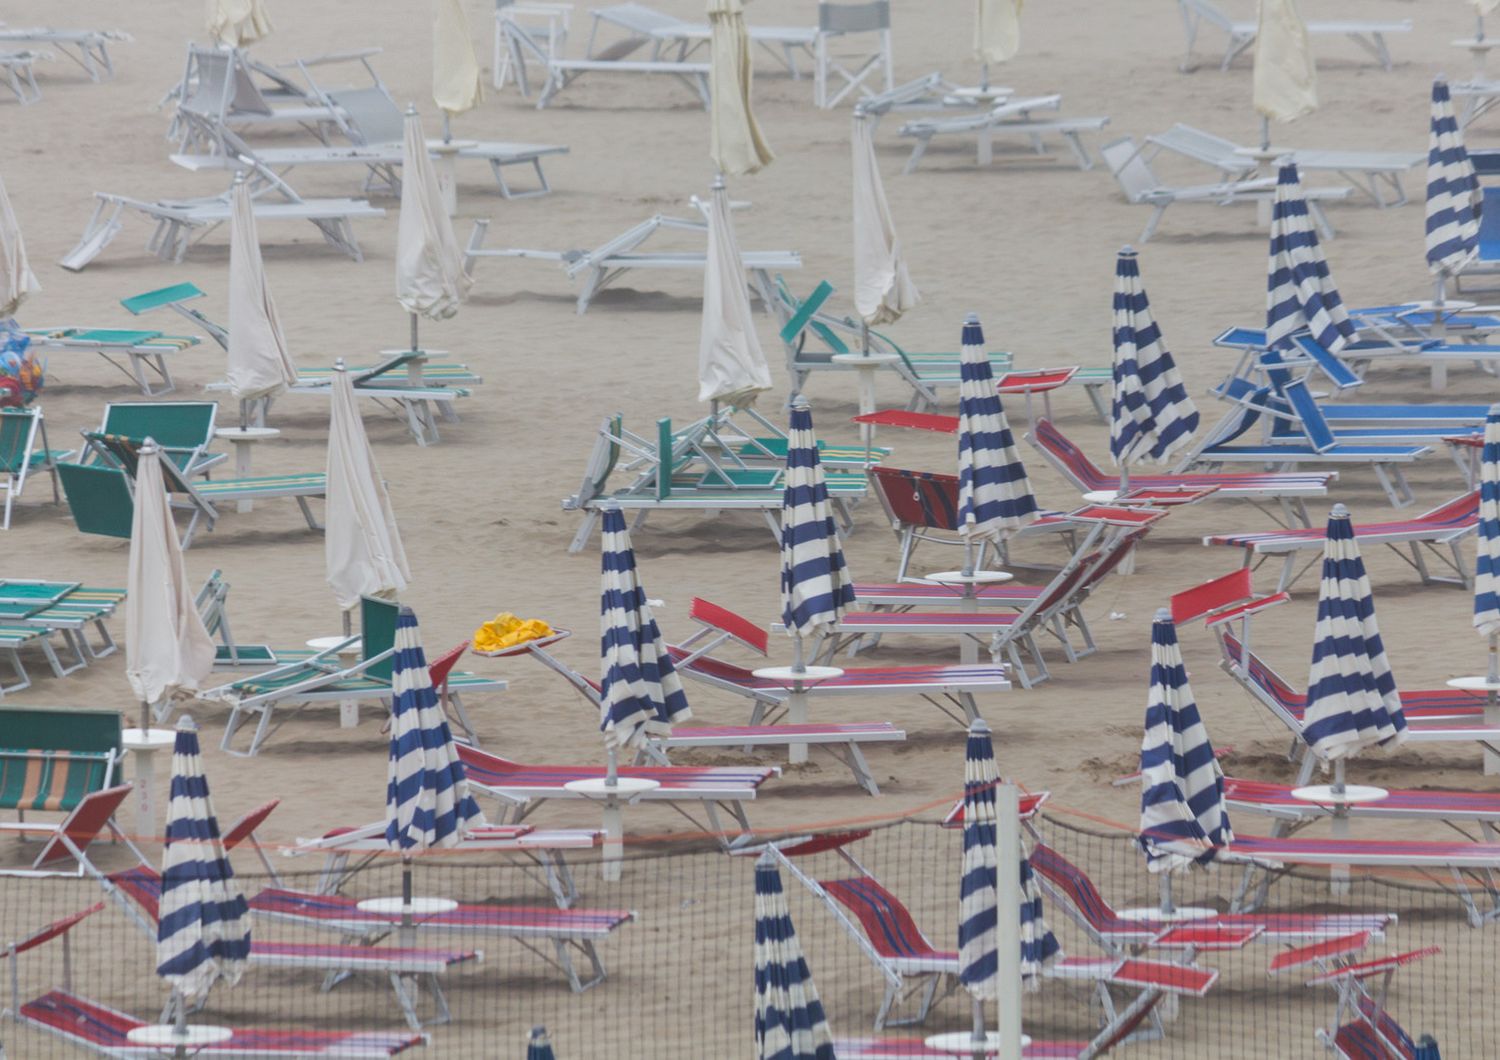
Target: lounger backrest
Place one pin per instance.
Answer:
(245, 827)
(372, 115)
(83, 825)
(1319, 434)
(377, 631)
(163, 296)
(1066, 457)
(1200, 145)
(602, 460)
(1359, 1041)
(1130, 168)
(1259, 673)
(17, 436)
(723, 620)
(53, 930)
(175, 425)
(885, 921)
(925, 499)
(1462, 510)
(1489, 226)
(802, 317)
(99, 498)
(1076, 888)
(1220, 592)
(820, 843)
(854, 18)
(1391, 1033)
(1330, 364)
(439, 669)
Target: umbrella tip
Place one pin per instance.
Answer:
(338, 365)
(801, 403)
(187, 724)
(1162, 615)
(971, 318)
(1339, 512)
(1127, 251)
(979, 727)
(149, 445)
(718, 182)
(411, 109)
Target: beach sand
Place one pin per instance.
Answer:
(1029, 244)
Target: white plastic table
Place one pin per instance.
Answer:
(1340, 800)
(166, 1036)
(866, 365)
(143, 746)
(243, 439)
(797, 682)
(961, 1043)
(968, 603)
(624, 790)
(348, 708)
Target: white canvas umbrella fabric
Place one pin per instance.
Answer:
(1286, 77)
(16, 278)
(456, 82)
(1453, 193)
(882, 289)
(259, 364)
(1486, 7)
(167, 649)
(1352, 702)
(997, 30)
(732, 367)
(362, 549)
(430, 276)
(237, 22)
(735, 141)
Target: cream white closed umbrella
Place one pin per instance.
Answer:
(882, 289)
(237, 22)
(1286, 76)
(16, 278)
(168, 652)
(430, 277)
(735, 141)
(732, 367)
(259, 365)
(456, 82)
(362, 549)
(997, 33)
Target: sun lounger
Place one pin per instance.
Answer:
(912, 967)
(1373, 172)
(520, 788)
(1445, 527)
(1368, 34)
(561, 72)
(1014, 117)
(647, 26)
(221, 82)
(16, 68)
(89, 48)
(54, 758)
(1290, 813)
(1132, 171)
(69, 608)
(99, 1029)
(16, 632)
(143, 353)
(600, 267)
(185, 431)
(1031, 1048)
(70, 838)
(1373, 1034)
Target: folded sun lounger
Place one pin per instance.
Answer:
(1013, 117)
(1368, 34)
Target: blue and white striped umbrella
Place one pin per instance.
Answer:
(1151, 416)
(978, 888)
(994, 493)
(815, 582)
(1487, 566)
(539, 1046)
(1299, 290)
(203, 923)
(1183, 819)
(427, 800)
(789, 1020)
(1453, 195)
(1352, 702)
(640, 694)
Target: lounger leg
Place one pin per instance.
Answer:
(1150, 229)
(581, 538)
(917, 152)
(307, 514)
(406, 1000)
(852, 757)
(23, 680)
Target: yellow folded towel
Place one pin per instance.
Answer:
(507, 631)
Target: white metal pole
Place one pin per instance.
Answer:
(1008, 937)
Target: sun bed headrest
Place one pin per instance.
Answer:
(1116, 515)
(54, 930)
(1030, 804)
(725, 621)
(1222, 599)
(817, 844)
(246, 825)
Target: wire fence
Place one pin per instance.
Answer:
(679, 979)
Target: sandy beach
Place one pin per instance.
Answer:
(1029, 244)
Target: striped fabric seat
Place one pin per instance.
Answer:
(919, 678)
(101, 1029)
(49, 779)
(338, 913)
(309, 484)
(1278, 800)
(492, 772)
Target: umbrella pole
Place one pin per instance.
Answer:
(984, 77)
(414, 346)
(179, 1026)
(348, 624)
(447, 128)
(968, 571)
(1265, 134)
(1124, 486)
(1164, 888)
(145, 716)
(980, 1039)
(798, 663)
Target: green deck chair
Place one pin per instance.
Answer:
(20, 430)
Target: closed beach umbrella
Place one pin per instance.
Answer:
(259, 364)
(1453, 194)
(994, 492)
(167, 649)
(430, 276)
(882, 289)
(362, 548)
(1286, 76)
(427, 800)
(1151, 415)
(1487, 565)
(1300, 293)
(203, 923)
(997, 30)
(237, 23)
(1352, 702)
(1183, 817)
(640, 693)
(815, 582)
(731, 365)
(539, 1046)
(789, 1019)
(735, 141)
(456, 82)
(16, 278)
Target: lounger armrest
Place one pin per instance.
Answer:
(1245, 610)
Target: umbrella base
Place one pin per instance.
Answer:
(167, 1036)
(961, 1043)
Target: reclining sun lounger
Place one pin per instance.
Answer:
(23, 450)
(562, 72)
(69, 839)
(1447, 526)
(888, 935)
(1373, 172)
(648, 26)
(144, 352)
(68, 608)
(598, 268)
(521, 788)
(222, 82)
(1368, 34)
(1132, 171)
(89, 48)
(1290, 813)
(1014, 117)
